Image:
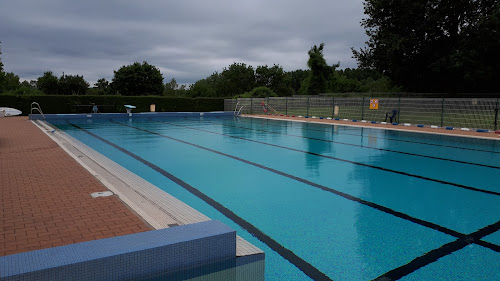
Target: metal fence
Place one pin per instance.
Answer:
(480, 113)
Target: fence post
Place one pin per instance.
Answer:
(251, 105)
(442, 112)
(399, 107)
(307, 112)
(496, 113)
(286, 105)
(363, 109)
(333, 108)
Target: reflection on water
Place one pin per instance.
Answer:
(313, 162)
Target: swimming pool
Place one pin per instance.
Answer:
(324, 202)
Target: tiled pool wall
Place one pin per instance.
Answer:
(200, 251)
(128, 115)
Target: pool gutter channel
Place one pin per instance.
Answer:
(155, 206)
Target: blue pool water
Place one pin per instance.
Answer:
(325, 202)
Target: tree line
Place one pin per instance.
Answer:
(236, 80)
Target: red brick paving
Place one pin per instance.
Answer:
(45, 195)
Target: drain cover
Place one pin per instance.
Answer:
(101, 194)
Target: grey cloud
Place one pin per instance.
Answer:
(187, 40)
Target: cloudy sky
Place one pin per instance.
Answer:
(187, 40)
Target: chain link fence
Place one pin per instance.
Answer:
(479, 113)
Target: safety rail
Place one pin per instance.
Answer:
(236, 111)
(36, 106)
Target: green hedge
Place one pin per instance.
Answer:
(108, 104)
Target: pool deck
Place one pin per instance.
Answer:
(399, 127)
(45, 195)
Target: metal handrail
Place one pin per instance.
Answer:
(236, 111)
(236, 107)
(36, 106)
(239, 111)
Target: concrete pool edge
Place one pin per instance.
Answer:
(127, 115)
(376, 126)
(156, 207)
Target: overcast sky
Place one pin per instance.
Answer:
(187, 40)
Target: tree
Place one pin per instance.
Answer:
(9, 82)
(48, 83)
(296, 78)
(137, 80)
(101, 87)
(171, 87)
(72, 85)
(1, 64)
(205, 87)
(237, 79)
(102, 84)
(320, 71)
(259, 92)
(434, 45)
(234, 80)
(274, 78)
(340, 83)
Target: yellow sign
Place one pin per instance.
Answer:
(373, 103)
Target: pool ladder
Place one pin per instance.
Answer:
(36, 106)
(236, 111)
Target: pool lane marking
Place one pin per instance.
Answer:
(345, 160)
(438, 253)
(368, 147)
(303, 265)
(376, 128)
(489, 245)
(387, 210)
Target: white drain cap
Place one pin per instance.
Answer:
(101, 194)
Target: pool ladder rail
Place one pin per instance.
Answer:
(36, 106)
(236, 111)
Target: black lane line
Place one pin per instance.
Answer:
(322, 187)
(368, 147)
(438, 253)
(344, 160)
(303, 265)
(489, 245)
(408, 141)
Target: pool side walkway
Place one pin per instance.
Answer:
(45, 195)
(399, 127)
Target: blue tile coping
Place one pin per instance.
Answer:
(127, 257)
(126, 115)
